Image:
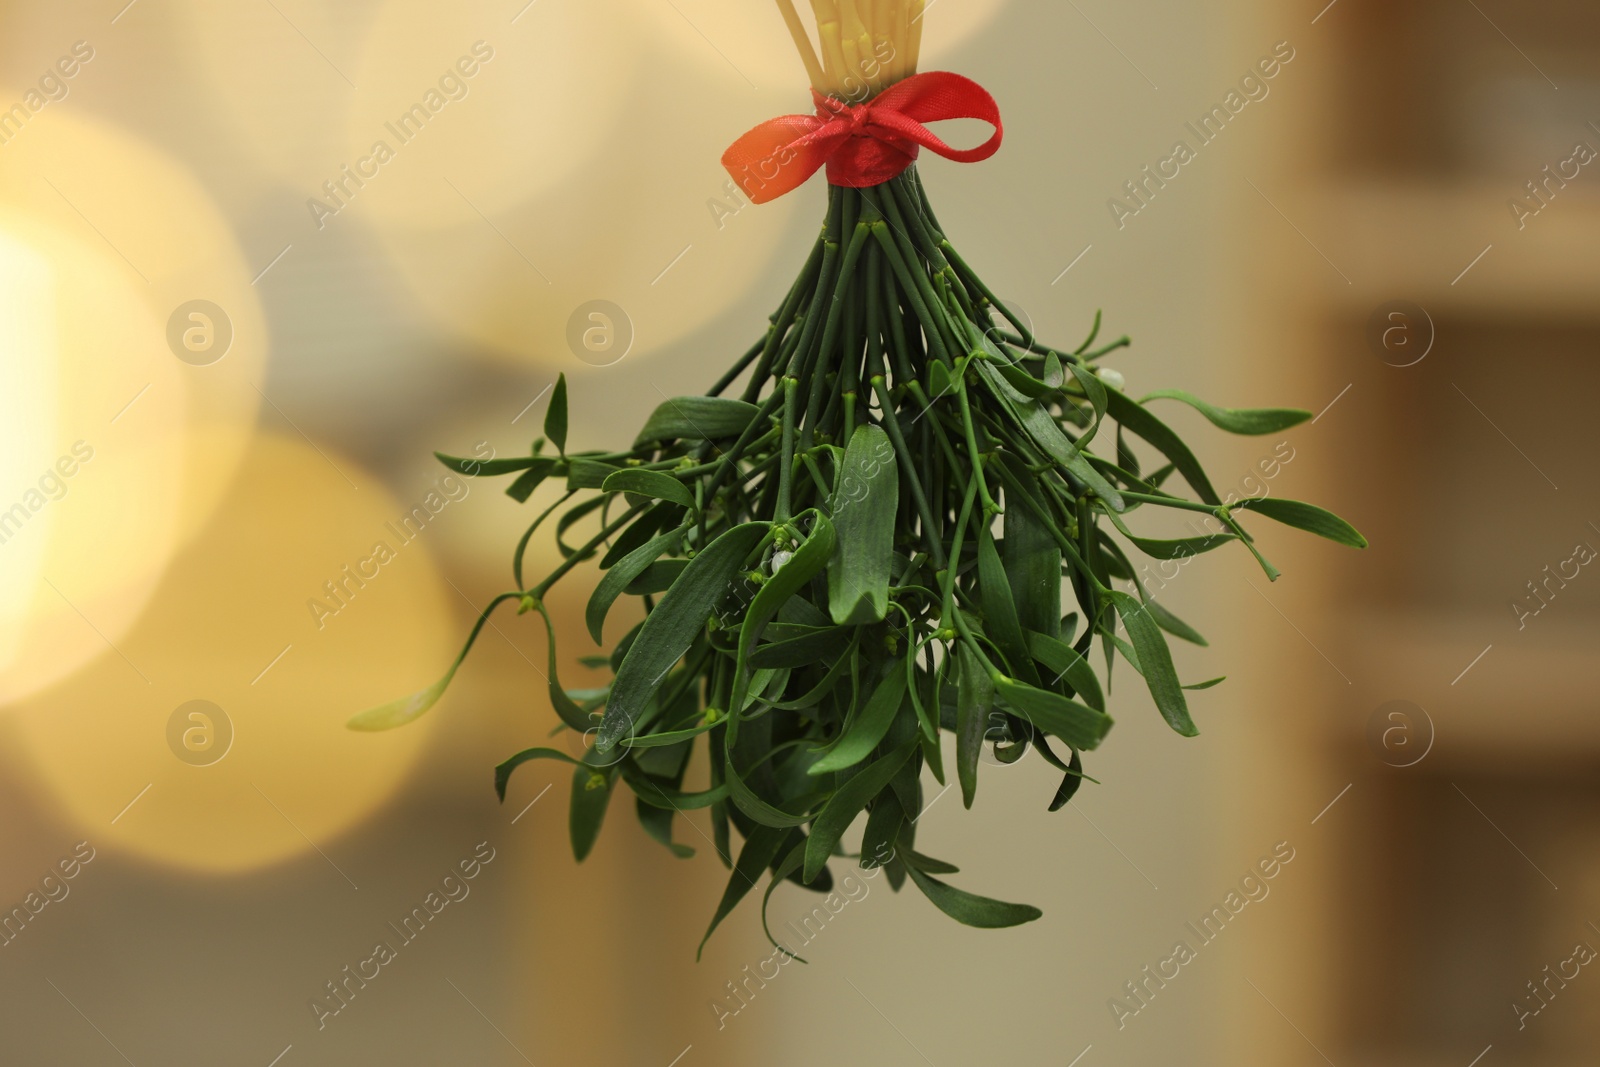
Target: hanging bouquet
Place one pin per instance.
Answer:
(858, 538)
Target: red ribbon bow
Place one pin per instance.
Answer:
(862, 144)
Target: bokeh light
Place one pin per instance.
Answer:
(232, 623)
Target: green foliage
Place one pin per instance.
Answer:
(860, 540)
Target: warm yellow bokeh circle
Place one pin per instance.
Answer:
(230, 624)
(146, 215)
(276, 76)
(463, 111)
(89, 515)
(651, 226)
(103, 240)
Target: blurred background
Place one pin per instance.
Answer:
(258, 259)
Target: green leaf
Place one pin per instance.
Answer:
(399, 712)
(1064, 662)
(527, 536)
(1070, 782)
(1155, 662)
(653, 484)
(1135, 419)
(884, 822)
(815, 645)
(1249, 421)
(969, 908)
(591, 795)
(488, 468)
(656, 519)
(869, 727)
(806, 563)
(555, 416)
(974, 699)
(670, 737)
(589, 473)
(502, 772)
(1015, 376)
(621, 575)
(865, 500)
(754, 805)
(1305, 516)
(1077, 724)
(1094, 389)
(521, 489)
(1174, 625)
(760, 849)
(1033, 569)
(929, 865)
(847, 802)
(569, 712)
(657, 822)
(697, 418)
(1043, 429)
(657, 578)
(1182, 548)
(671, 628)
(999, 612)
(661, 796)
(785, 869)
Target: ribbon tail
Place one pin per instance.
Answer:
(779, 155)
(935, 96)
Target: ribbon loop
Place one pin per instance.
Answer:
(861, 144)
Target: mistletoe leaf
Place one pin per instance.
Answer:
(1131, 416)
(488, 468)
(806, 563)
(969, 908)
(1155, 663)
(869, 727)
(760, 850)
(502, 772)
(817, 643)
(653, 484)
(1245, 421)
(847, 802)
(671, 628)
(1033, 570)
(1065, 664)
(657, 795)
(1299, 514)
(999, 611)
(1048, 436)
(1070, 782)
(864, 503)
(1077, 724)
(657, 822)
(555, 416)
(621, 575)
(1174, 625)
(697, 418)
(399, 712)
(974, 701)
(521, 489)
(591, 796)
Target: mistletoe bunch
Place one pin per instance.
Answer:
(862, 548)
(858, 539)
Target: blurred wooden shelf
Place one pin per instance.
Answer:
(1535, 693)
(1413, 239)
